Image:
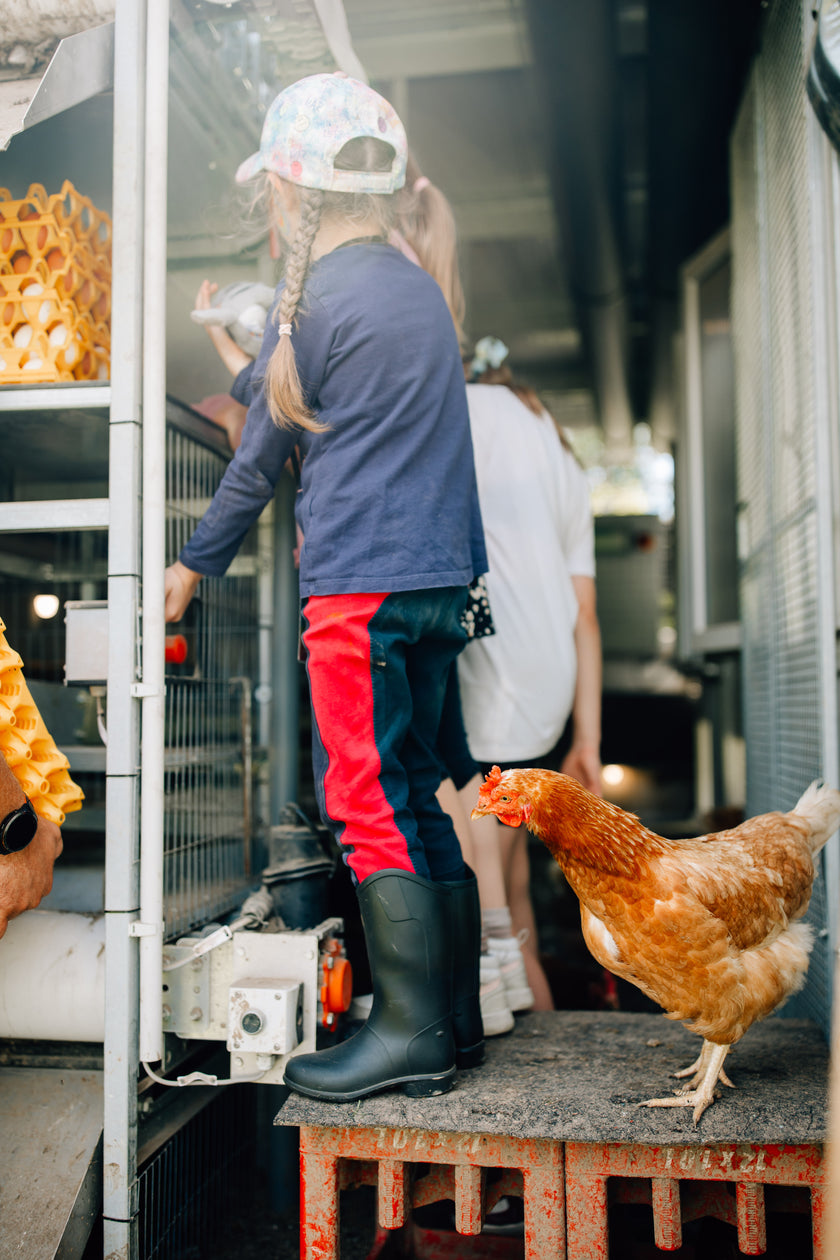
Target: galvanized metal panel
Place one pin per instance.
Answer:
(62, 514)
(52, 1123)
(788, 697)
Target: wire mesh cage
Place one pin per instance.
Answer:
(187, 1187)
(782, 595)
(211, 672)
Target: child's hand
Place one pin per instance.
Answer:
(232, 355)
(205, 293)
(179, 586)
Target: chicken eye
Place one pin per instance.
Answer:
(504, 798)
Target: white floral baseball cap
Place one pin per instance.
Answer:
(308, 124)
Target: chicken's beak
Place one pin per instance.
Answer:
(478, 812)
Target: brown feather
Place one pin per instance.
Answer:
(707, 927)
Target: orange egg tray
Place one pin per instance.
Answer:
(55, 287)
(28, 747)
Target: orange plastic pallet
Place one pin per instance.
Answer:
(466, 1157)
(557, 1105)
(673, 1173)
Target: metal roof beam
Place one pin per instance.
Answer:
(494, 219)
(421, 54)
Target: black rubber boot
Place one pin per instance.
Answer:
(466, 980)
(407, 1041)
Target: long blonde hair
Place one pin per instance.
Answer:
(283, 389)
(427, 222)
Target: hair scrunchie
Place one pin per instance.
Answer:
(490, 352)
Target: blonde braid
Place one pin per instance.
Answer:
(282, 382)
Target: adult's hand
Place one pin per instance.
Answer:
(583, 762)
(26, 877)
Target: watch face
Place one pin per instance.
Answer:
(18, 828)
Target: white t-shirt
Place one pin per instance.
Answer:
(517, 686)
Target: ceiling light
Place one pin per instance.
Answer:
(45, 606)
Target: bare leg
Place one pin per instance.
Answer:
(517, 881)
(704, 1095)
(485, 846)
(450, 803)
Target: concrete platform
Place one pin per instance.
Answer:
(576, 1076)
(50, 1161)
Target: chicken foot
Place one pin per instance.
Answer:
(704, 1095)
(697, 1070)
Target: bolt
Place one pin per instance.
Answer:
(238, 1061)
(195, 1013)
(277, 1046)
(167, 1013)
(278, 997)
(196, 988)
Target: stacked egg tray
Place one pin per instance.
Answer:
(55, 287)
(39, 767)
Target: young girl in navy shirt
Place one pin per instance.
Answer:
(360, 369)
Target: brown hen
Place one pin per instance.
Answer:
(709, 928)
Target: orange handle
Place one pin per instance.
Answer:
(337, 989)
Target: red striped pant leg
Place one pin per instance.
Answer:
(338, 643)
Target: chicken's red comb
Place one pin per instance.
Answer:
(494, 778)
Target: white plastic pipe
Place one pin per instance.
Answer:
(52, 981)
(154, 507)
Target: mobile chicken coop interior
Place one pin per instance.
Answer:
(622, 175)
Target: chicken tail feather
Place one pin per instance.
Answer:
(820, 805)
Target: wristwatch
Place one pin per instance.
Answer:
(18, 828)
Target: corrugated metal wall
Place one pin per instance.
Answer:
(784, 498)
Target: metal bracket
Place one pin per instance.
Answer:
(200, 947)
(142, 691)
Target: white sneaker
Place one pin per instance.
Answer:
(507, 952)
(495, 1013)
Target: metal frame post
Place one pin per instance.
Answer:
(151, 690)
(123, 750)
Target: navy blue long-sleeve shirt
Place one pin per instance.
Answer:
(388, 498)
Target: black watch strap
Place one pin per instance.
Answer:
(18, 828)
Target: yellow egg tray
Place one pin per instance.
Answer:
(55, 252)
(28, 747)
(38, 214)
(71, 277)
(43, 338)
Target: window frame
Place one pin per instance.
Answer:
(699, 635)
